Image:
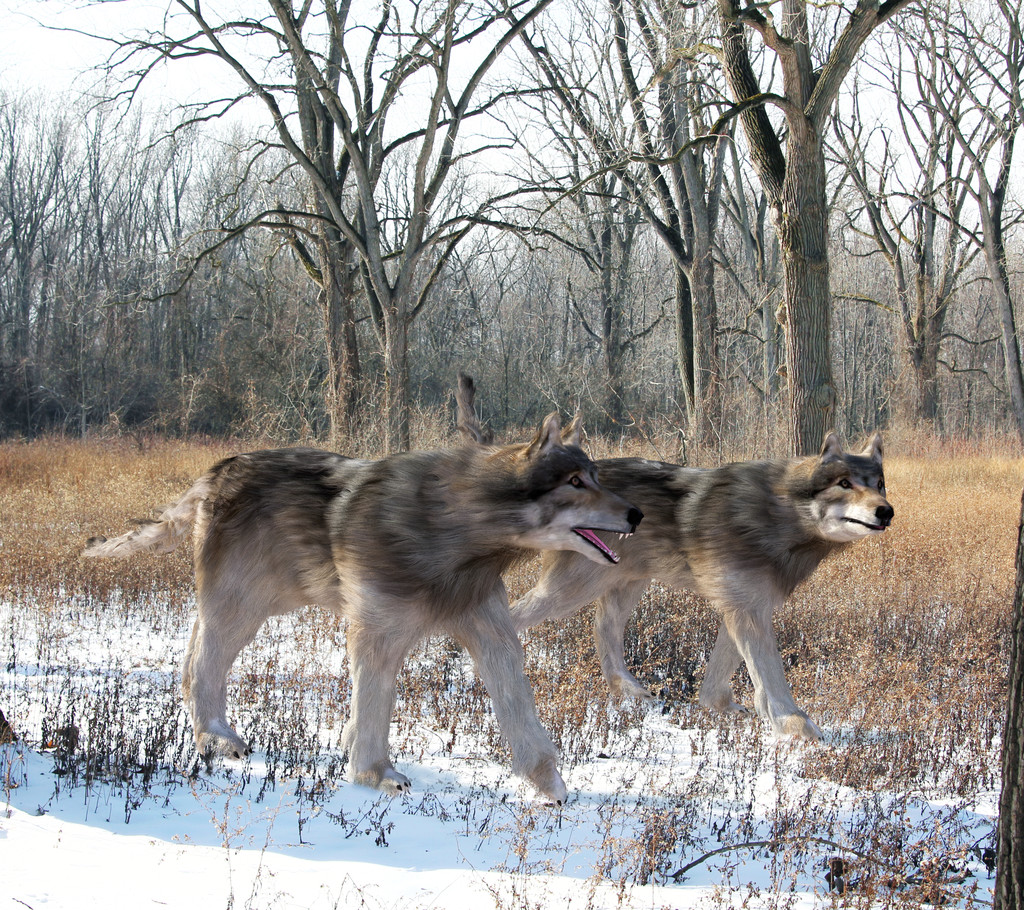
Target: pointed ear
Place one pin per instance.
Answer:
(831, 448)
(573, 434)
(874, 449)
(548, 436)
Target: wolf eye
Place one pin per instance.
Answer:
(576, 481)
(881, 486)
(845, 484)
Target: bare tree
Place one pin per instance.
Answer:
(365, 95)
(641, 104)
(789, 161)
(983, 56)
(609, 227)
(912, 191)
(34, 153)
(599, 224)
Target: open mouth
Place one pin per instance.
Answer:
(865, 524)
(590, 537)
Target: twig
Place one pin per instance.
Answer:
(775, 844)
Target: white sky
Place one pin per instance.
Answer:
(53, 60)
(43, 46)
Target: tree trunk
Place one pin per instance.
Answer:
(612, 284)
(707, 388)
(995, 254)
(396, 384)
(1009, 891)
(684, 343)
(801, 221)
(336, 296)
(924, 362)
(770, 361)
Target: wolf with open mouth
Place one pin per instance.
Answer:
(403, 547)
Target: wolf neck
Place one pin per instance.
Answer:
(459, 542)
(803, 550)
(763, 522)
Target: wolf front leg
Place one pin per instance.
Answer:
(749, 626)
(376, 655)
(489, 636)
(568, 582)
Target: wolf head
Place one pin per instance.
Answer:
(562, 504)
(848, 491)
(549, 487)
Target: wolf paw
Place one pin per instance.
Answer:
(394, 783)
(222, 740)
(799, 726)
(628, 686)
(723, 704)
(548, 781)
(386, 779)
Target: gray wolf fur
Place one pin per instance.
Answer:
(742, 535)
(404, 547)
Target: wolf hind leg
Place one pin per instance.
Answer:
(218, 635)
(487, 633)
(610, 617)
(716, 692)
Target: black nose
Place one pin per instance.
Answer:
(634, 515)
(884, 514)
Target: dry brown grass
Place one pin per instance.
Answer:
(898, 647)
(889, 628)
(56, 493)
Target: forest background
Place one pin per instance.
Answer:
(571, 202)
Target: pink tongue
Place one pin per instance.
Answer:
(592, 538)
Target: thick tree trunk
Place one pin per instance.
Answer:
(924, 363)
(396, 385)
(707, 387)
(996, 257)
(1009, 892)
(801, 221)
(337, 292)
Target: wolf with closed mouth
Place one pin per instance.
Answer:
(403, 547)
(743, 536)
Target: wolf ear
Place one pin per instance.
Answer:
(874, 449)
(548, 436)
(573, 434)
(831, 448)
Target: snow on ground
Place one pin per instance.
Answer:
(292, 833)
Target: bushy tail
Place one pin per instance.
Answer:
(160, 535)
(468, 423)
